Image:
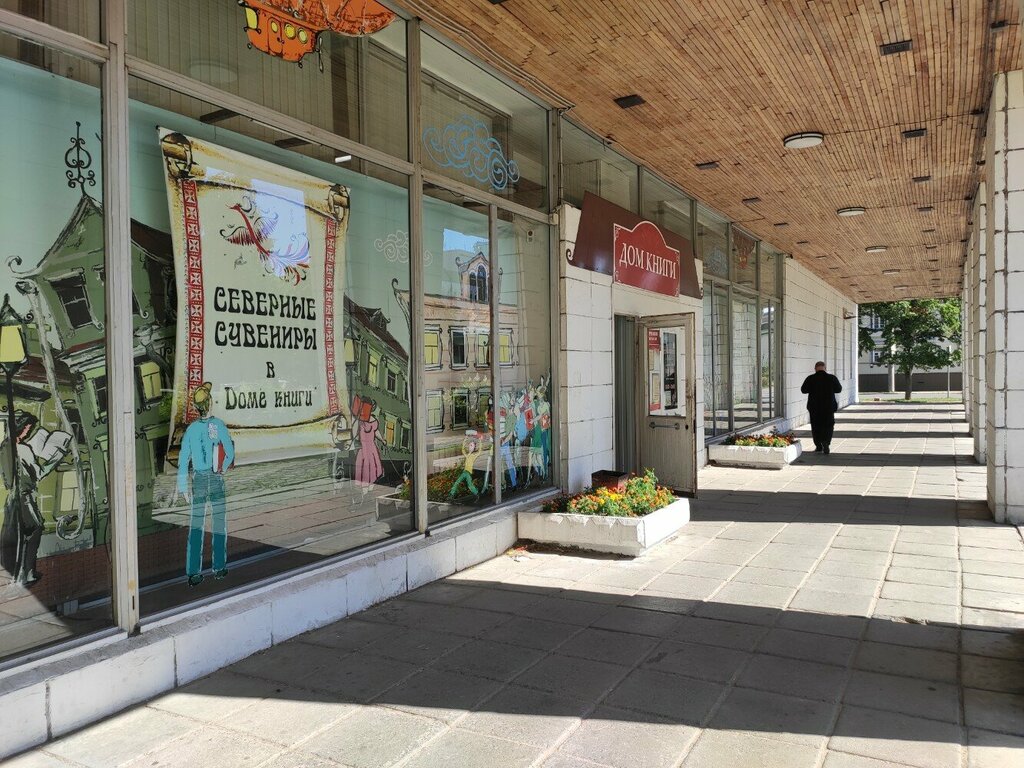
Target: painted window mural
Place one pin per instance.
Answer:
(479, 445)
(271, 371)
(284, 431)
(54, 533)
(523, 426)
(481, 132)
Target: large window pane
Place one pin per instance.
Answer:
(295, 64)
(666, 207)
(479, 131)
(283, 432)
(82, 17)
(55, 531)
(459, 352)
(712, 243)
(768, 364)
(589, 165)
(745, 329)
(523, 430)
(709, 361)
(717, 395)
(769, 260)
(744, 259)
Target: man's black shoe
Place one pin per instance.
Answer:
(827, 450)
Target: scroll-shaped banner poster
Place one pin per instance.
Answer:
(259, 262)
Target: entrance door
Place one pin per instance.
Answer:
(667, 377)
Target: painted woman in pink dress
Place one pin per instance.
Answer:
(368, 466)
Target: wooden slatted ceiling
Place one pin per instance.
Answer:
(726, 80)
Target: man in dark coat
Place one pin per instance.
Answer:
(821, 388)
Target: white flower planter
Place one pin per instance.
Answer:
(754, 456)
(620, 535)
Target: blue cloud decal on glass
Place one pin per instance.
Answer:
(468, 145)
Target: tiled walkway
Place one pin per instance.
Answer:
(854, 611)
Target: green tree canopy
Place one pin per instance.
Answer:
(914, 334)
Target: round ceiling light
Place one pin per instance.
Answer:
(853, 210)
(876, 248)
(803, 140)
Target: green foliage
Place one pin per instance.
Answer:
(641, 496)
(914, 334)
(865, 340)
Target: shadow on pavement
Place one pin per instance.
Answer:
(548, 653)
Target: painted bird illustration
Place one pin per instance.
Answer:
(289, 263)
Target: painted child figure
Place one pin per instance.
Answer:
(470, 450)
(206, 446)
(507, 421)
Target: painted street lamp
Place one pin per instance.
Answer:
(13, 355)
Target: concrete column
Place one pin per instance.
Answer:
(1004, 299)
(977, 320)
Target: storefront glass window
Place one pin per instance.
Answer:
(712, 243)
(708, 345)
(744, 259)
(744, 361)
(523, 429)
(589, 165)
(716, 370)
(303, 66)
(54, 519)
(769, 263)
(769, 315)
(82, 17)
(273, 284)
(459, 445)
(479, 131)
(666, 207)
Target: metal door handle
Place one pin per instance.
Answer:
(654, 425)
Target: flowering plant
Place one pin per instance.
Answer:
(642, 495)
(768, 440)
(439, 485)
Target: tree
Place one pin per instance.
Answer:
(913, 333)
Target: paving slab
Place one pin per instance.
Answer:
(620, 739)
(715, 749)
(526, 715)
(912, 661)
(900, 738)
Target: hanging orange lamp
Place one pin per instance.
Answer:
(289, 29)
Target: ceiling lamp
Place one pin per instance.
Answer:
(876, 249)
(853, 210)
(803, 140)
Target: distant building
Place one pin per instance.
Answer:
(873, 376)
(377, 367)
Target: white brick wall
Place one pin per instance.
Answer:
(806, 304)
(1004, 306)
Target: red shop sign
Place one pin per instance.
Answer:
(643, 259)
(654, 339)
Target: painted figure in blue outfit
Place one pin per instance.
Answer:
(208, 447)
